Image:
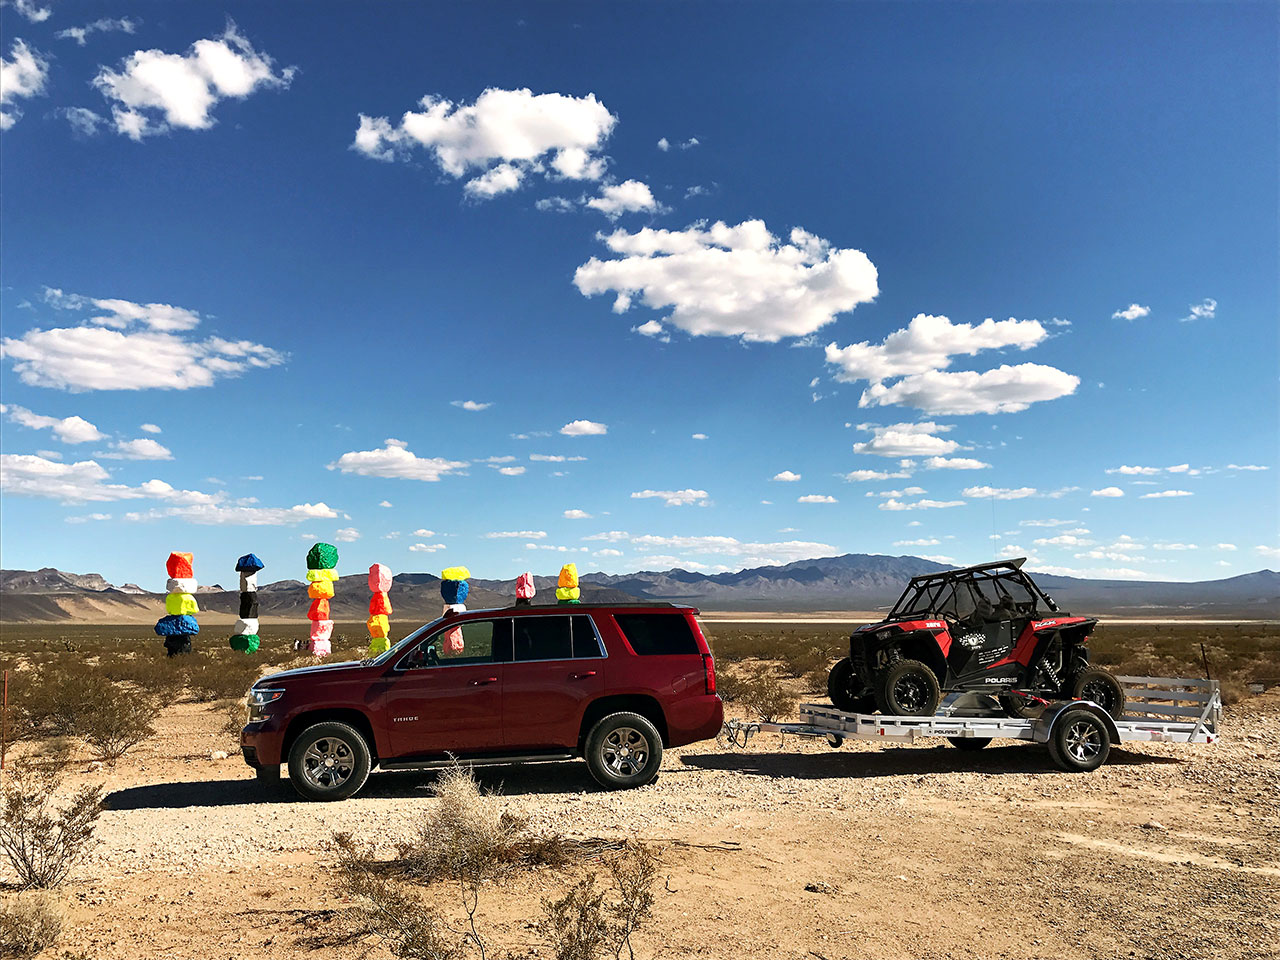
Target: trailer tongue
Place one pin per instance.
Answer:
(1078, 733)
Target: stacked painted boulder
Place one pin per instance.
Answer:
(568, 590)
(525, 589)
(454, 589)
(322, 560)
(379, 610)
(179, 624)
(244, 636)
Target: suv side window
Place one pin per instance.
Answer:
(657, 634)
(542, 638)
(473, 642)
(585, 641)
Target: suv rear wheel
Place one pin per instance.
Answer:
(624, 750)
(908, 688)
(329, 761)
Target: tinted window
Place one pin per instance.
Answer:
(475, 641)
(657, 634)
(585, 642)
(543, 638)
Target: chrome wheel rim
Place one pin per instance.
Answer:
(1083, 741)
(328, 763)
(625, 751)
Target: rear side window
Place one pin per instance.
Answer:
(585, 642)
(657, 634)
(543, 638)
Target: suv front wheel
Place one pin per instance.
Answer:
(623, 750)
(329, 761)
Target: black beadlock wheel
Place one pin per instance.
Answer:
(623, 750)
(1100, 687)
(908, 688)
(329, 761)
(1080, 741)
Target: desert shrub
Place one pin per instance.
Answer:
(765, 693)
(41, 840)
(29, 923)
(212, 678)
(75, 700)
(234, 716)
(162, 677)
(585, 924)
(117, 723)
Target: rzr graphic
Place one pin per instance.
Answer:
(986, 628)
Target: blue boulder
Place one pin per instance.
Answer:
(454, 591)
(249, 563)
(177, 626)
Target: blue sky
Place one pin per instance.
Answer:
(639, 285)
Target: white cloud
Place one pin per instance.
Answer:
(738, 281)
(1063, 540)
(584, 428)
(651, 328)
(576, 514)
(504, 535)
(1162, 494)
(555, 205)
(816, 498)
(1045, 523)
(142, 449)
(473, 405)
(748, 554)
(608, 552)
(104, 25)
(698, 436)
(66, 429)
(896, 505)
(149, 428)
(32, 10)
(999, 493)
(424, 533)
(510, 471)
(928, 343)
(1109, 573)
(346, 535)
(1246, 466)
(396, 460)
(1006, 389)
(1207, 309)
(78, 482)
(1174, 546)
(1131, 312)
(786, 476)
(609, 536)
(387, 503)
(673, 498)
(906, 440)
(630, 196)
(925, 542)
(503, 137)
(425, 547)
(87, 518)
(1271, 553)
(1134, 471)
(1225, 546)
(1107, 492)
(854, 476)
(84, 122)
(108, 355)
(664, 144)
(22, 75)
(154, 92)
(554, 458)
(905, 492)
(216, 514)
(955, 463)
(937, 558)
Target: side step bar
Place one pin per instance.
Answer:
(474, 761)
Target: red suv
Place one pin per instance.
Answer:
(611, 683)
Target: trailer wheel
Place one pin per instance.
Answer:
(1101, 688)
(1080, 741)
(908, 689)
(969, 743)
(840, 689)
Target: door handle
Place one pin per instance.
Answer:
(582, 676)
(481, 683)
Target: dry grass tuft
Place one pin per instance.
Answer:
(29, 923)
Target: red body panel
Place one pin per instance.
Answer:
(491, 708)
(1024, 647)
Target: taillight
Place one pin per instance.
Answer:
(709, 669)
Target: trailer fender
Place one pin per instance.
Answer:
(1048, 720)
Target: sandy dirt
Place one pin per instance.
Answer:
(920, 851)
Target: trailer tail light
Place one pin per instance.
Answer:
(709, 669)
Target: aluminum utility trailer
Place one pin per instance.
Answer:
(1078, 733)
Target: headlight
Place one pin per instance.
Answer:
(261, 696)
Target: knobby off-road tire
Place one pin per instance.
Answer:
(1016, 706)
(1080, 741)
(623, 750)
(908, 688)
(840, 689)
(1100, 687)
(329, 761)
(969, 743)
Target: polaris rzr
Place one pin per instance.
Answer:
(985, 630)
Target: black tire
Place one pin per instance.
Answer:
(623, 750)
(329, 761)
(969, 743)
(1080, 741)
(1017, 706)
(908, 689)
(1100, 687)
(840, 689)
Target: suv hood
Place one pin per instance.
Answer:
(320, 668)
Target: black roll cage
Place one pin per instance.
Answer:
(930, 587)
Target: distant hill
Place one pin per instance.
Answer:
(850, 582)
